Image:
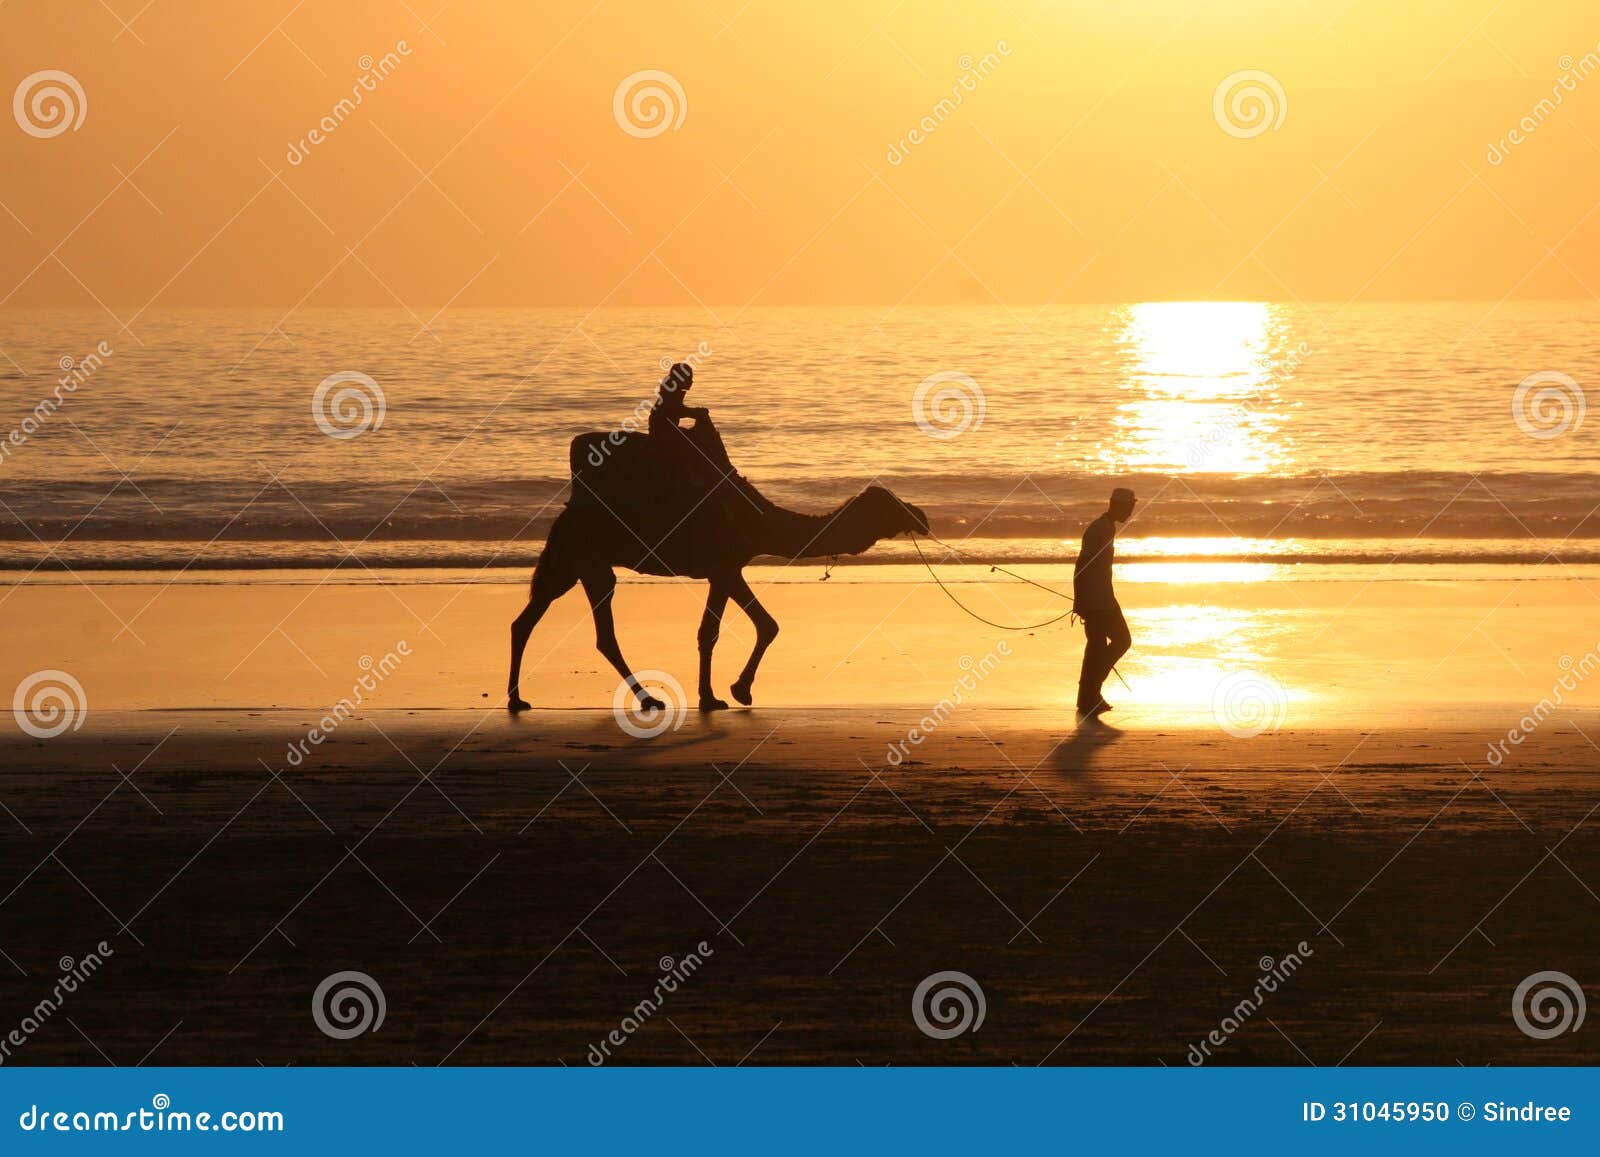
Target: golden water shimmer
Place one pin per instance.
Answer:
(1250, 430)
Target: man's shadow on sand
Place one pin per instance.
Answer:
(1081, 750)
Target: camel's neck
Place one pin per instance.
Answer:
(788, 534)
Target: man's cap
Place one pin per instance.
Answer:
(1122, 493)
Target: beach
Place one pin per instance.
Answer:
(1301, 771)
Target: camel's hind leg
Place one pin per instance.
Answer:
(551, 580)
(600, 584)
(710, 629)
(766, 631)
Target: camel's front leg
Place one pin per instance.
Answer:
(766, 631)
(710, 628)
(600, 585)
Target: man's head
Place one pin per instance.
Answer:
(679, 378)
(1122, 501)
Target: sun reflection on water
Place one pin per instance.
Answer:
(1187, 652)
(1202, 389)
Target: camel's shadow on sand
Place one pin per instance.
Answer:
(599, 734)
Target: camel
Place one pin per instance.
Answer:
(619, 514)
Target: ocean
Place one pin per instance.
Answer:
(202, 440)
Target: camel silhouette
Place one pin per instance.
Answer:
(625, 511)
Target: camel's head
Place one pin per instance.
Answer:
(890, 515)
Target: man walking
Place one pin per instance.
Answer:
(1096, 604)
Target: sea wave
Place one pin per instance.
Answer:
(1398, 506)
(519, 555)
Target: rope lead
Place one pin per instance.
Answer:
(1069, 614)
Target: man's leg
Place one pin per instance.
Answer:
(1118, 638)
(1114, 641)
(1093, 673)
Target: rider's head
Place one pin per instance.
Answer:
(679, 378)
(1122, 501)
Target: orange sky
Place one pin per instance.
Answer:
(488, 167)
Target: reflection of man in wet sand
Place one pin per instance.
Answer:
(1096, 603)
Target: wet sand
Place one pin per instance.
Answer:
(514, 892)
(514, 885)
